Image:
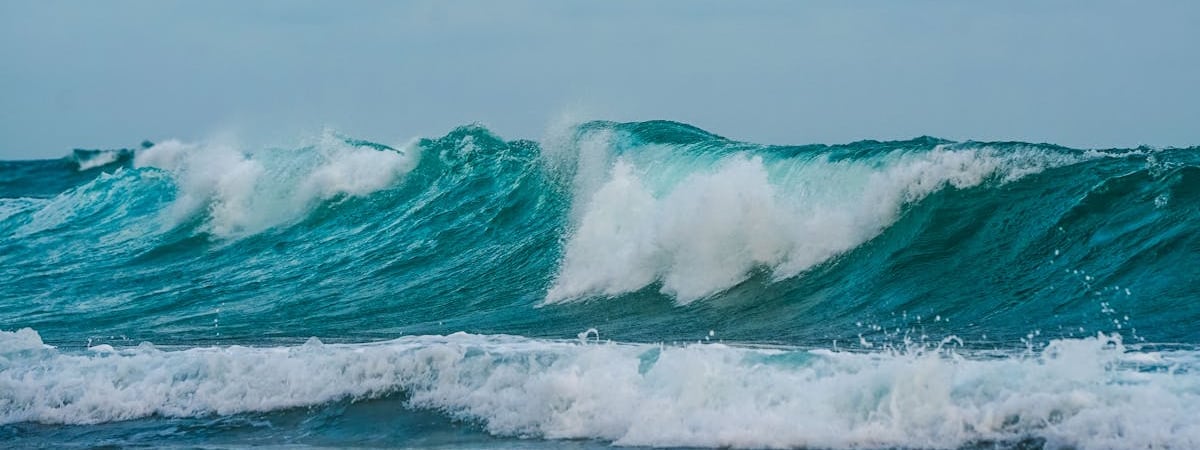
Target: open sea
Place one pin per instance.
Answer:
(613, 284)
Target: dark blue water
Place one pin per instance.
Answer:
(616, 283)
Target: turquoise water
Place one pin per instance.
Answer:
(642, 284)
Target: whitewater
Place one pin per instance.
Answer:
(627, 284)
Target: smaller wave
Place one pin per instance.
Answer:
(1080, 393)
(88, 159)
(239, 193)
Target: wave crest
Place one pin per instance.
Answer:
(244, 193)
(700, 222)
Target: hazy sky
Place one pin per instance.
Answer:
(1080, 73)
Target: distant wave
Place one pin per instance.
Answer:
(88, 159)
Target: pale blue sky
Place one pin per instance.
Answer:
(1079, 73)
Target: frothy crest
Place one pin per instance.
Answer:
(1084, 393)
(244, 193)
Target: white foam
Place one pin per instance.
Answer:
(700, 224)
(244, 193)
(1087, 393)
(100, 159)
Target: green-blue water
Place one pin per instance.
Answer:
(616, 283)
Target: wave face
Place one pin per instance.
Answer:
(921, 293)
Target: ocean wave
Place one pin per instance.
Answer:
(655, 230)
(87, 159)
(761, 296)
(1092, 393)
(90, 159)
(244, 193)
(699, 224)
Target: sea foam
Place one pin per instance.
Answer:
(1091, 393)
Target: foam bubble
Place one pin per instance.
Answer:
(1084, 393)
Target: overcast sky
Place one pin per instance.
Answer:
(1084, 74)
